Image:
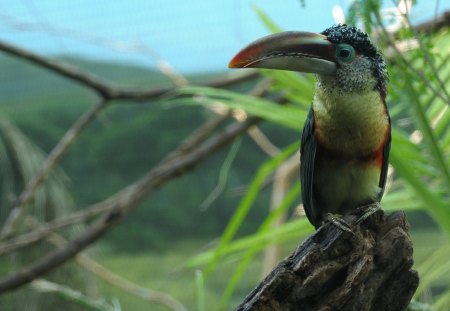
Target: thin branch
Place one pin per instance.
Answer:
(136, 193)
(97, 40)
(65, 70)
(187, 145)
(127, 286)
(263, 142)
(21, 205)
(407, 66)
(441, 21)
(104, 89)
(427, 57)
(75, 297)
(116, 280)
(193, 140)
(196, 137)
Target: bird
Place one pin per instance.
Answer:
(346, 139)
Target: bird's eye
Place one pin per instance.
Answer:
(345, 52)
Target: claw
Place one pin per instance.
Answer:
(369, 210)
(339, 222)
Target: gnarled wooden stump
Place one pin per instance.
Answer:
(335, 270)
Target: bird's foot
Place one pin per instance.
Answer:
(368, 211)
(338, 221)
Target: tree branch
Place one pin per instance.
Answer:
(26, 239)
(21, 204)
(129, 198)
(435, 24)
(335, 270)
(107, 93)
(198, 136)
(105, 89)
(107, 275)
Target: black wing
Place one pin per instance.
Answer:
(308, 149)
(385, 163)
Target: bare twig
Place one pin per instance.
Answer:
(404, 62)
(187, 145)
(104, 89)
(434, 24)
(127, 286)
(193, 140)
(198, 136)
(20, 206)
(95, 39)
(64, 70)
(107, 93)
(263, 141)
(128, 199)
(427, 57)
(107, 275)
(68, 293)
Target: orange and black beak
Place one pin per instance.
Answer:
(290, 50)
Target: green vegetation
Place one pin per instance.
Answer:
(166, 272)
(163, 242)
(124, 143)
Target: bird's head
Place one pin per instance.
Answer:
(343, 58)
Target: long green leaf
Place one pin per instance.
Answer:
(261, 240)
(246, 204)
(433, 268)
(437, 207)
(266, 20)
(442, 301)
(252, 250)
(429, 137)
(200, 290)
(285, 115)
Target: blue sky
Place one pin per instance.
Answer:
(192, 36)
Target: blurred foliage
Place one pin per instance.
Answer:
(124, 143)
(75, 297)
(20, 160)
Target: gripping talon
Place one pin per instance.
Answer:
(371, 209)
(339, 222)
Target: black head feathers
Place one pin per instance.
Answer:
(361, 43)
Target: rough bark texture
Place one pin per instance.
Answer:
(335, 270)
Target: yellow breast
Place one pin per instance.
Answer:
(353, 124)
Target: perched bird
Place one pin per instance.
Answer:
(347, 135)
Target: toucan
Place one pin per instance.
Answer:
(346, 137)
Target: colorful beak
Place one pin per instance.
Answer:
(290, 50)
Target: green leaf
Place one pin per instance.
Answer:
(200, 290)
(253, 249)
(260, 240)
(266, 20)
(246, 204)
(435, 266)
(285, 115)
(437, 206)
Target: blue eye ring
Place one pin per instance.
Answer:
(345, 52)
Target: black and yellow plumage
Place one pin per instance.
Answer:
(347, 135)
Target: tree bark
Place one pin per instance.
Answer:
(335, 270)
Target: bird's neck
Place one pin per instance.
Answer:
(350, 123)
